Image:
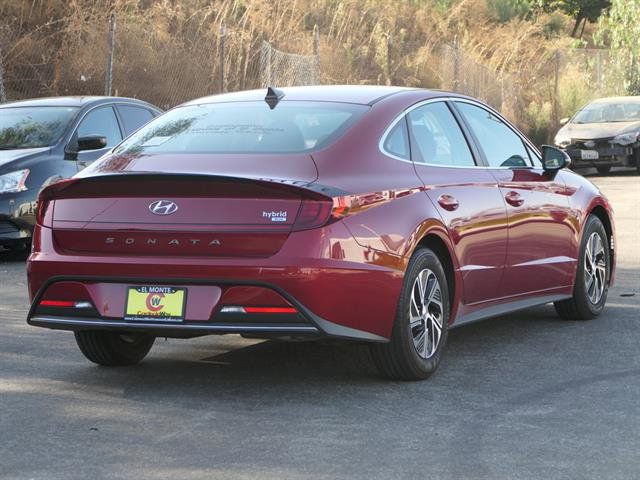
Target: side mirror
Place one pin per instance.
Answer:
(563, 121)
(91, 142)
(554, 159)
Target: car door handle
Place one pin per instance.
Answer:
(514, 198)
(448, 202)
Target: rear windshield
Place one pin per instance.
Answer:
(609, 112)
(31, 127)
(244, 127)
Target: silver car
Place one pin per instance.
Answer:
(603, 134)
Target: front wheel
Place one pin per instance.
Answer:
(421, 325)
(592, 277)
(604, 169)
(112, 349)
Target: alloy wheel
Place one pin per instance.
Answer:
(595, 268)
(426, 313)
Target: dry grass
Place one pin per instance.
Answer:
(167, 51)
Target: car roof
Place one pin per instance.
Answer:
(73, 101)
(629, 99)
(360, 94)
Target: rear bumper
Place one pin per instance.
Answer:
(303, 323)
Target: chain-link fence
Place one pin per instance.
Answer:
(285, 69)
(123, 56)
(566, 80)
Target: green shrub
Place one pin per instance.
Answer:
(506, 10)
(538, 117)
(554, 26)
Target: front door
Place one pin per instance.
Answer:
(99, 121)
(539, 254)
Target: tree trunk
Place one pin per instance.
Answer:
(584, 22)
(576, 25)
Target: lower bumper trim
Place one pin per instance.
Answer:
(162, 329)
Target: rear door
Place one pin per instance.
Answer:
(466, 196)
(539, 251)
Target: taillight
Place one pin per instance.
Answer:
(318, 213)
(65, 304)
(41, 210)
(44, 200)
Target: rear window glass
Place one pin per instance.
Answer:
(244, 127)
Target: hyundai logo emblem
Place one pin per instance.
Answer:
(163, 207)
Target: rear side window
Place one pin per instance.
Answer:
(245, 127)
(501, 145)
(101, 121)
(437, 137)
(397, 141)
(133, 117)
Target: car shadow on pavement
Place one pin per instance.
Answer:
(303, 366)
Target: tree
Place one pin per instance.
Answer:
(622, 30)
(581, 10)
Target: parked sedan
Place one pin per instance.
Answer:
(46, 139)
(374, 214)
(604, 134)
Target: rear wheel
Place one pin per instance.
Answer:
(592, 277)
(604, 169)
(113, 349)
(636, 157)
(421, 325)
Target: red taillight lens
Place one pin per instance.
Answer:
(44, 200)
(57, 303)
(41, 211)
(317, 213)
(312, 214)
(239, 309)
(270, 310)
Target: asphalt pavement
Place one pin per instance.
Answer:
(523, 396)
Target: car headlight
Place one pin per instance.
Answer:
(626, 138)
(562, 142)
(14, 181)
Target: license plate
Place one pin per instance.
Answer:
(589, 154)
(155, 303)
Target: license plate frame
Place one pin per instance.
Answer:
(589, 154)
(155, 303)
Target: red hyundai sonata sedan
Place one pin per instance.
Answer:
(377, 214)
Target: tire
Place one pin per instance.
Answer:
(586, 303)
(636, 157)
(603, 169)
(112, 349)
(399, 359)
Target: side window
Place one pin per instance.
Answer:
(437, 137)
(501, 145)
(397, 141)
(101, 121)
(133, 117)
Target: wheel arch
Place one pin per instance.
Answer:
(434, 241)
(603, 215)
